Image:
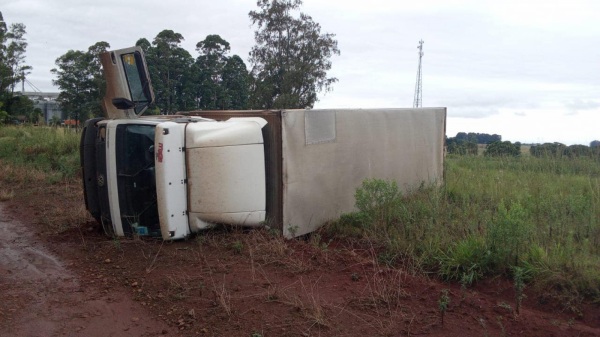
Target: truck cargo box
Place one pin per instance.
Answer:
(315, 159)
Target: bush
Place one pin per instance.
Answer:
(503, 149)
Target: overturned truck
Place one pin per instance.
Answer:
(174, 175)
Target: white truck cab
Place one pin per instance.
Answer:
(168, 175)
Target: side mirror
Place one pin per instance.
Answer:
(123, 103)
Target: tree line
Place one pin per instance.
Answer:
(13, 70)
(466, 143)
(288, 68)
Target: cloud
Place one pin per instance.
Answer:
(472, 112)
(582, 104)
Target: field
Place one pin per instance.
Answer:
(505, 246)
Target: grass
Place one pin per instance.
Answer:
(53, 151)
(540, 215)
(34, 158)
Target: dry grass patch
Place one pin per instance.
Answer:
(6, 194)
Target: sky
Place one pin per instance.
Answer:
(524, 69)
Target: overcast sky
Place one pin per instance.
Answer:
(527, 70)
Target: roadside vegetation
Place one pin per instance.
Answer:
(51, 151)
(531, 219)
(39, 169)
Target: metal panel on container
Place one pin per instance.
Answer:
(321, 174)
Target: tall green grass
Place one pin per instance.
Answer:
(490, 216)
(50, 150)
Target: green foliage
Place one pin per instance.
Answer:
(291, 57)
(3, 117)
(377, 200)
(220, 81)
(461, 147)
(79, 77)
(20, 108)
(491, 215)
(169, 66)
(503, 149)
(13, 46)
(477, 138)
(558, 150)
(547, 150)
(237, 247)
(466, 261)
(13, 69)
(52, 150)
(508, 235)
(214, 81)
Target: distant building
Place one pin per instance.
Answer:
(47, 102)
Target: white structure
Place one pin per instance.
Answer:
(46, 101)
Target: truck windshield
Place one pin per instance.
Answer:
(136, 180)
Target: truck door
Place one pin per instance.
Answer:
(128, 88)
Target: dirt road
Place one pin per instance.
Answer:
(40, 296)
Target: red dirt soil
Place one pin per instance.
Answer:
(74, 281)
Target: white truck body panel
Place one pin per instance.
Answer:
(226, 172)
(327, 154)
(171, 187)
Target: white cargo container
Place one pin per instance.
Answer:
(291, 169)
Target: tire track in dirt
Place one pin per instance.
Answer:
(40, 296)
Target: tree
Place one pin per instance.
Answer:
(13, 69)
(169, 67)
(478, 138)
(503, 149)
(15, 55)
(236, 82)
(79, 77)
(3, 114)
(461, 146)
(19, 107)
(554, 150)
(208, 71)
(291, 57)
(220, 81)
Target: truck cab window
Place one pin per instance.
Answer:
(135, 80)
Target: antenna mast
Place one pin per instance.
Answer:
(418, 101)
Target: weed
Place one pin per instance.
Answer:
(293, 230)
(223, 298)
(443, 303)
(519, 283)
(506, 306)
(237, 247)
(317, 241)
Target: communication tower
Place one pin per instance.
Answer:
(418, 101)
